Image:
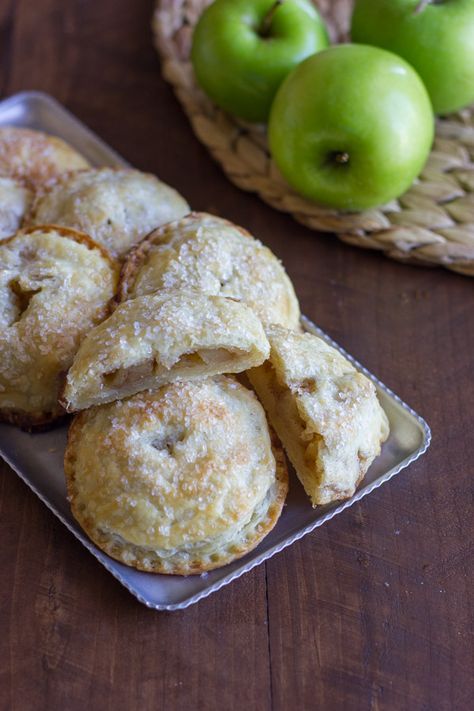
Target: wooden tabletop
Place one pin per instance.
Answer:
(375, 609)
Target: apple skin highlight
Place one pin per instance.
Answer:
(351, 127)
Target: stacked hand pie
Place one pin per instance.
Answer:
(171, 465)
(63, 229)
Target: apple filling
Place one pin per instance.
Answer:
(328, 454)
(122, 377)
(302, 444)
(135, 375)
(204, 357)
(21, 297)
(216, 356)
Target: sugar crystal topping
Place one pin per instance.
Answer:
(52, 291)
(35, 158)
(208, 254)
(116, 208)
(181, 465)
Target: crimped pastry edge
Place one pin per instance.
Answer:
(177, 564)
(69, 233)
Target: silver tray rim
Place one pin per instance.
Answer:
(308, 325)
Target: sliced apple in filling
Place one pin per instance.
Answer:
(325, 412)
(159, 338)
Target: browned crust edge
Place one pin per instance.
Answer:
(194, 567)
(33, 422)
(137, 255)
(69, 233)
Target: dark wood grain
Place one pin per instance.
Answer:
(372, 611)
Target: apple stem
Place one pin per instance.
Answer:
(342, 158)
(268, 19)
(424, 3)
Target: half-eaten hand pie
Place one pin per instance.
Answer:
(212, 255)
(325, 412)
(180, 480)
(55, 285)
(162, 337)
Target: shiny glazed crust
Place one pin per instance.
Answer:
(55, 284)
(326, 413)
(35, 158)
(210, 254)
(178, 481)
(162, 337)
(117, 208)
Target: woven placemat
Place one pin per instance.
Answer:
(432, 224)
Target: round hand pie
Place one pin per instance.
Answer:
(159, 338)
(54, 287)
(117, 208)
(15, 200)
(181, 480)
(212, 255)
(35, 158)
(325, 412)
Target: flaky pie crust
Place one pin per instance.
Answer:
(36, 158)
(207, 253)
(325, 412)
(15, 201)
(51, 294)
(116, 207)
(158, 338)
(178, 481)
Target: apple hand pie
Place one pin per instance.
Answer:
(162, 337)
(178, 481)
(35, 158)
(117, 208)
(212, 255)
(55, 285)
(325, 412)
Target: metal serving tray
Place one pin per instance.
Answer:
(38, 458)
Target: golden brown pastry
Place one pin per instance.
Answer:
(35, 158)
(15, 200)
(212, 255)
(117, 208)
(180, 480)
(325, 412)
(55, 285)
(162, 337)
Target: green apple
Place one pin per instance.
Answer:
(435, 36)
(243, 49)
(351, 127)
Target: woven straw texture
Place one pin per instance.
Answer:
(432, 224)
